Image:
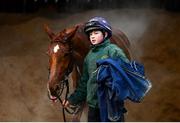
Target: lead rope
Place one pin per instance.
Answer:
(65, 82)
(75, 109)
(67, 91)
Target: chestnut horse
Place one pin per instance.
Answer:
(67, 51)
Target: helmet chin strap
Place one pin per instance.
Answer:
(105, 36)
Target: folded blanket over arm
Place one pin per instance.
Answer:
(117, 81)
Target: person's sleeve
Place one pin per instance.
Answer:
(79, 95)
(116, 52)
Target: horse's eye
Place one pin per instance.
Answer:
(66, 54)
(65, 39)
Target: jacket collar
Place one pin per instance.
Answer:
(98, 46)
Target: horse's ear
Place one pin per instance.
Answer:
(71, 31)
(50, 33)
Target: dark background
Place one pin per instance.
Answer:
(81, 5)
(152, 26)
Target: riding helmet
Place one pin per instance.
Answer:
(98, 23)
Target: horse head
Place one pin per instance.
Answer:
(60, 58)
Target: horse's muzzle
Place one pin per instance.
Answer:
(53, 98)
(51, 95)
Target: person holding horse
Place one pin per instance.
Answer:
(98, 31)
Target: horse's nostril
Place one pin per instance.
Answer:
(53, 92)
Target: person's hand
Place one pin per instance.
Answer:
(65, 103)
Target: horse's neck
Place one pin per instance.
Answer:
(80, 46)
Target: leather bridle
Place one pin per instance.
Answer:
(64, 83)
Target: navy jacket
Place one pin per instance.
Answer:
(117, 81)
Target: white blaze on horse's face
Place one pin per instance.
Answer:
(56, 48)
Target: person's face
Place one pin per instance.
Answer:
(96, 37)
